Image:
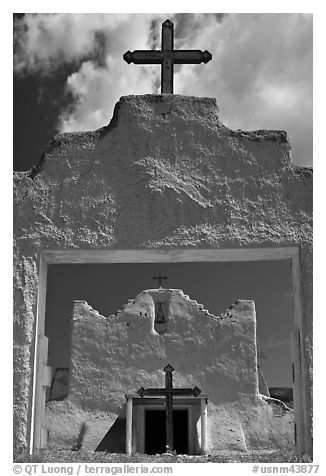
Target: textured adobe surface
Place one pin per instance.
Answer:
(165, 173)
(115, 355)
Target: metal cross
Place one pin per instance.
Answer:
(167, 57)
(168, 392)
(160, 279)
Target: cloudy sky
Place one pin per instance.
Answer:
(69, 72)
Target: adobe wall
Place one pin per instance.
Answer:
(116, 355)
(165, 173)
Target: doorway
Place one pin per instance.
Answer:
(155, 431)
(48, 257)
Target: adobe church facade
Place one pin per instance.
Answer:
(165, 180)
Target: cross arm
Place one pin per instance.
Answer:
(163, 391)
(191, 56)
(143, 57)
(158, 56)
(142, 392)
(186, 391)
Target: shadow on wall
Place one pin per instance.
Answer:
(114, 440)
(60, 385)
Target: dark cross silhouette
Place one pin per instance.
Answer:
(160, 279)
(168, 392)
(167, 57)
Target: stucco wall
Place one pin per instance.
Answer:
(124, 352)
(165, 173)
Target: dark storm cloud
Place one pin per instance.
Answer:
(189, 24)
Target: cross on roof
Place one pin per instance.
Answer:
(167, 57)
(160, 279)
(168, 392)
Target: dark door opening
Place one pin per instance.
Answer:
(155, 431)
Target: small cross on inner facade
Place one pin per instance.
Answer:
(167, 57)
(160, 278)
(169, 392)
